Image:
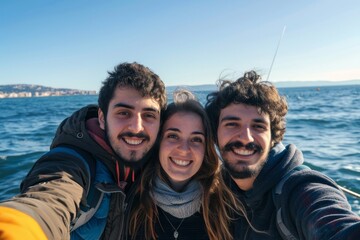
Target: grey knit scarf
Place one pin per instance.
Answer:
(179, 204)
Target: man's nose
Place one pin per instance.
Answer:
(136, 124)
(245, 135)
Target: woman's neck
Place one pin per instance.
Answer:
(178, 186)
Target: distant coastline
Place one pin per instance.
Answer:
(30, 90)
(285, 84)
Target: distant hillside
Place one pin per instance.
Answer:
(30, 90)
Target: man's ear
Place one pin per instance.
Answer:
(101, 119)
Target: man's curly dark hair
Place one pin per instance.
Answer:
(249, 90)
(133, 75)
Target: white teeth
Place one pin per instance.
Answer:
(132, 141)
(243, 152)
(180, 162)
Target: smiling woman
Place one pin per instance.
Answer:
(182, 148)
(177, 200)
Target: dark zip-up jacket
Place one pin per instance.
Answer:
(52, 191)
(313, 207)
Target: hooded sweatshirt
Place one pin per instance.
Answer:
(52, 191)
(313, 207)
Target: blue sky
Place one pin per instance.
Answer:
(74, 43)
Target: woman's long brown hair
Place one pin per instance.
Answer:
(218, 202)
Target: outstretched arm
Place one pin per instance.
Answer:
(317, 209)
(50, 198)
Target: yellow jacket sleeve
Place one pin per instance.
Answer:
(16, 225)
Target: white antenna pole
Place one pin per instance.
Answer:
(272, 63)
(349, 192)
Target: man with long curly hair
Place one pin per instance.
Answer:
(248, 118)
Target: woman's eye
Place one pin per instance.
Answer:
(173, 136)
(197, 139)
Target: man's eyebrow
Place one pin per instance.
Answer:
(124, 105)
(234, 118)
(229, 118)
(151, 109)
(260, 120)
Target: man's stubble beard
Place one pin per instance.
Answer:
(244, 173)
(131, 162)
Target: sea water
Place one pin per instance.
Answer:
(323, 122)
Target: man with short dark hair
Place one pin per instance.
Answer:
(96, 151)
(283, 199)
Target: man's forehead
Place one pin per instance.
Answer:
(131, 98)
(240, 110)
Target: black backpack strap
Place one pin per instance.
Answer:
(276, 194)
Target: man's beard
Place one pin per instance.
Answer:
(132, 162)
(246, 171)
(141, 162)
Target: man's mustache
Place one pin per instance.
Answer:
(137, 135)
(250, 146)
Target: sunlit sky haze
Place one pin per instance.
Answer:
(74, 43)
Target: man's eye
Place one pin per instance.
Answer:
(150, 115)
(231, 124)
(261, 127)
(123, 113)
